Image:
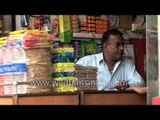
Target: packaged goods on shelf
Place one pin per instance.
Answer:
(64, 67)
(70, 78)
(63, 61)
(31, 38)
(63, 50)
(55, 26)
(75, 23)
(63, 74)
(89, 24)
(89, 47)
(63, 57)
(76, 44)
(65, 30)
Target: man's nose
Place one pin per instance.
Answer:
(121, 47)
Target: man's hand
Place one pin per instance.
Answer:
(138, 89)
(122, 85)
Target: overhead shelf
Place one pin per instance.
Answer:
(87, 35)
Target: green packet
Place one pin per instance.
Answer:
(89, 47)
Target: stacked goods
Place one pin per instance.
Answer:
(91, 21)
(76, 44)
(75, 23)
(7, 67)
(63, 68)
(31, 38)
(86, 77)
(16, 36)
(83, 27)
(101, 25)
(37, 54)
(38, 68)
(37, 39)
(89, 24)
(1, 69)
(19, 67)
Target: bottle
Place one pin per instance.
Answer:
(1, 69)
(19, 67)
(7, 62)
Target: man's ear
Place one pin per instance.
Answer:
(105, 45)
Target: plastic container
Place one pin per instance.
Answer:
(19, 67)
(7, 62)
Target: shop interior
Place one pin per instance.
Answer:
(51, 45)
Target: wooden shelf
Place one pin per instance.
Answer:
(87, 35)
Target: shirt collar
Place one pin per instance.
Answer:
(101, 59)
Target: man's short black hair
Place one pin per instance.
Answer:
(106, 35)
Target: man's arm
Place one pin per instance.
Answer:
(134, 78)
(138, 89)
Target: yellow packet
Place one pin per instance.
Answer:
(64, 65)
(64, 78)
(69, 69)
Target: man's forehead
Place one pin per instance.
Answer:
(115, 37)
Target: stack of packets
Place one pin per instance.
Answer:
(101, 25)
(63, 69)
(75, 22)
(89, 24)
(36, 44)
(31, 38)
(96, 24)
(91, 21)
(76, 44)
(38, 68)
(86, 78)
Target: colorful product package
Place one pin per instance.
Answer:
(65, 29)
(63, 50)
(63, 59)
(63, 74)
(89, 47)
(65, 88)
(71, 78)
(55, 26)
(65, 54)
(64, 65)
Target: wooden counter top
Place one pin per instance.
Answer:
(76, 98)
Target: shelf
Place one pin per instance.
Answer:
(87, 35)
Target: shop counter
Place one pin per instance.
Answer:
(65, 98)
(112, 98)
(6, 100)
(77, 98)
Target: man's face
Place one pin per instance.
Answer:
(114, 47)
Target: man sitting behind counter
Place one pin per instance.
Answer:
(115, 72)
